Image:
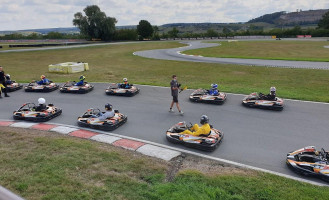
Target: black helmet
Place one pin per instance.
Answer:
(204, 119)
(108, 106)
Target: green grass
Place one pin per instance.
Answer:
(195, 185)
(111, 63)
(41, 165)
(273, 50)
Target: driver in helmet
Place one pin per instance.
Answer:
(109, 112)
(44, 80)
(272, 94)
(203, 130)
(81, 81)
(42, 105)
(8, 81)
(214, 90)
(125, 84)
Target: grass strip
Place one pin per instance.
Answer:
(270, 50)
(111, 63)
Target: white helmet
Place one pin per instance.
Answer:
(41, 100)
(125, 79)
(8, 75)
(272, 89)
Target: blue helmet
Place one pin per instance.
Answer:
(214, 86)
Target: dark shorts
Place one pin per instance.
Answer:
(175, 99)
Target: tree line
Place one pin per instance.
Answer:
(95, 25)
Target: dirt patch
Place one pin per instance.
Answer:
(212, 167)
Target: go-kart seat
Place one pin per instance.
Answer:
(308, 158)
(40, 108)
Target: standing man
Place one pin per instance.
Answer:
(3, 82)
(174, 85)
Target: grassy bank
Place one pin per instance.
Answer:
(42, 165)
(273, 50)
(113, 62)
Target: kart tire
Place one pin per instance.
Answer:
(173, 140)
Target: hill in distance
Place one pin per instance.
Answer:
(282, 19)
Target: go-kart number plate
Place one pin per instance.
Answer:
(73, 88)
(120, 91)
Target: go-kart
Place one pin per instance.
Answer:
(13, 86)
(27, 112)
(258, 100)
(34, 87)
(307, 161)
(203, 142)
(70, 87)
(115, 89)
(202, 95)
(89, 119)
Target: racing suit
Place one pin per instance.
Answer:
(80, 83)
(196, 130)
(125, 85)
(43, 82)
(3, 83)
(270, 97)
(213, 92)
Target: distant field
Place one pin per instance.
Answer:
(110, 63)
(274, 50)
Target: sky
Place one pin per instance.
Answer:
(35, 14)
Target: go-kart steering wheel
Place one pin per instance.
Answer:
(31, 106)
(93, 111)
(96, 111)
(189, 125)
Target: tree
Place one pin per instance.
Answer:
(226, 31)
(324, 22)
(144, 29)
(54, 35)
(156, 35)
(95, 24)
(126, 34)
(211, 33)
(173, 33)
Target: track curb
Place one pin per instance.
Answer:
(147, 148)
(142, 147)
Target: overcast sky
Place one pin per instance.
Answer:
(32, 14)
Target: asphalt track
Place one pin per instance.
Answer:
(174, 54)
(255, 137)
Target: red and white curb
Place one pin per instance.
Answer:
(99, 136)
